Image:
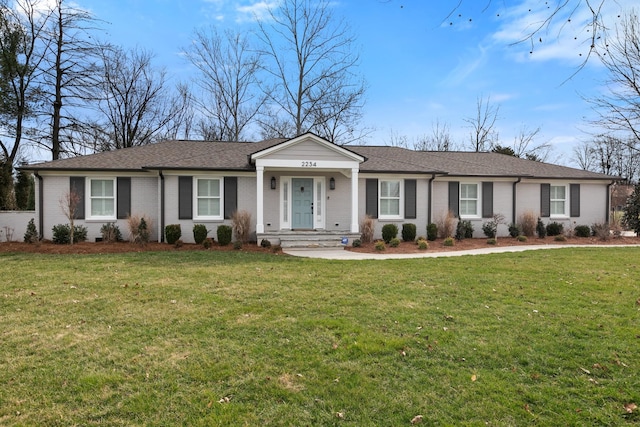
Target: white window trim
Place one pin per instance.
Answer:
(478, 213)
(219, 217)
(400, 201)
(565, 214)
(89, 199)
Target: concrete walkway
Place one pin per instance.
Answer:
(341, 254)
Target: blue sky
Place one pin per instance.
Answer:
(421, 64)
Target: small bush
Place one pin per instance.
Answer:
(582, 231)
(514, 230)
(448, 241)
(237, 245)
(356, 243)
(555, 229)
(139, 229)
(527, 223)
(31, 235)
(276, 248)
(601, 231)
(491, 241)
(522, 238)
(207, 243)
(541, 229)
(432, 231)
(408, 232)
(394, 243)
(490, 228)
(200, 233)
(464, 230)
(367, 227)
(178, 243)
(172, 232)
(560, 238)
(389, 231)
(62, 234)
(110, 233)
(265, 243)
(423, 245)
(241, 224)
(380, 247)
(224, 232)
(446, 224)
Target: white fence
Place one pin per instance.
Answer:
(13, 224)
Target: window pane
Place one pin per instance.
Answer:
(390, 188)
(208, 207)
(469, 191)
(390, 207)
(101, 188)
(468, 207)
(209, 188)
(558, 192)
(557, 208)
(102, 207)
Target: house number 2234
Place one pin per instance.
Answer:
(309, 164)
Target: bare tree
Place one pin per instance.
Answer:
(438, 140)
(583, 155)
(228, 76)
(483, 133)
(311, 61)
(620, 109)
(70, 203)
(524, 145)
(136, 103)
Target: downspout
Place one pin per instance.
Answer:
(40, 205)
(429, 198)
(608, 211)
(161, 206)
(514, 196)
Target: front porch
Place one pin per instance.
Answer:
(309, 239)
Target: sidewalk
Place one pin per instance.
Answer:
(341, 254)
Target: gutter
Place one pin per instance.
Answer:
(608, 211)
(40, 204)
(161, 206)
(514, 199)
(429, 198)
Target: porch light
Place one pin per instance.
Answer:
(273, 182)
(332, 184)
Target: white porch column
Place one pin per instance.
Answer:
(354, 201)
(260, 199)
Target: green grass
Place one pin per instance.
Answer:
(543, 338)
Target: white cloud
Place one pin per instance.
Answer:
(255, 11)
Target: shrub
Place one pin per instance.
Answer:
(207, 243)
(241, 224)
(173, 232)
(110, 233)
(631, 218)
(237, 245)
(514, 230)
(380, 246)
(31, 235)
(432, 231)
(389, 231)
(601, 231)
(527, 222)
(490, 228)
(560, 238)
(408, 232)
(554, 229)
(522, 238)
(448, 241)
(265, 243)
(139, 229)
(541, 229)
(464, 230)
(445, 224)
(178, 243)
(394, 243)
(491, 241)
(62, 233)
(224, 233)
(582, 231)
(200, 233)
(356, 243)
(423, 245)
(367, 227)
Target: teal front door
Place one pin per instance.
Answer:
(302, 206)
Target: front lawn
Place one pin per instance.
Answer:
(232, 338)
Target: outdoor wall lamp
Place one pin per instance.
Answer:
(273, 182)
(332, 184)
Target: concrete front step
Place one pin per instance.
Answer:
(310, 239)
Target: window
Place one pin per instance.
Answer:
(102, 200)
(208, 198)
(390, 195)
(558, 199)
(469, 200)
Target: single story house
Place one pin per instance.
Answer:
(309, 189)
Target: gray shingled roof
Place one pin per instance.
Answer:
(207, 155)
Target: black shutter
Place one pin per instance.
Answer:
(545, 200)
(76, 185)
(487, 199)
(185, 197)
(371, 203)
(454, 198)
(124, 197)
(410, 198)
(574, 200)
(230, 196)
